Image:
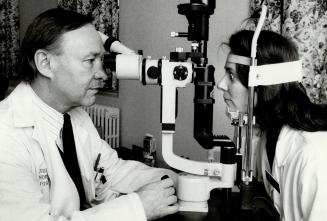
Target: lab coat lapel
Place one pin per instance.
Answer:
(28, 117)
(63, 193)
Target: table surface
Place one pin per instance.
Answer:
(219, 210)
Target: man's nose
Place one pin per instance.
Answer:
(101, 73)
(223, 84)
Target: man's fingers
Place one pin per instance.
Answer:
(170, 191)
(171, 200)
(166, 183)
(172, 209)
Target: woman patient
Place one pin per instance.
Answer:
(291, 129)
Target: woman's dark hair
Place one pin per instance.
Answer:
(282, 104)
(44, 33)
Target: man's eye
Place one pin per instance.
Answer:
(91, 60)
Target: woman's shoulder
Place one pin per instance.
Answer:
(294, 143)
(301, 137)
(315, 144)
(310, 153)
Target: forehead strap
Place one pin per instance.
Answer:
(233, 58)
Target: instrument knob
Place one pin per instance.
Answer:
(180, 72)
(153, 72)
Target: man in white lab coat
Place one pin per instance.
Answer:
(61, 71)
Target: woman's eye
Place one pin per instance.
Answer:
(231, 76)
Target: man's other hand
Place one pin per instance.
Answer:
(159, 198)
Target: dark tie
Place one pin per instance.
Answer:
(69, 158)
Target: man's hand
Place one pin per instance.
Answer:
(158, 199)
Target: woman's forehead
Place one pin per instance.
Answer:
(230, 66)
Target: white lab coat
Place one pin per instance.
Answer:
(34, 184)
(299, 168)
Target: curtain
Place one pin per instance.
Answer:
(9, 40)
(305, 22)
(106, 15)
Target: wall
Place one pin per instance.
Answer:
(146, 25)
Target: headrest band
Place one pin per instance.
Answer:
(233, 58)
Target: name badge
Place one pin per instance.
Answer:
(43, 177)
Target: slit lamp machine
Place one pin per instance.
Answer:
(182, 68)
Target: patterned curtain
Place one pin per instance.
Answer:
(305, 22)
(105, 13)
(9, 40)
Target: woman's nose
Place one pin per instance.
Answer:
(222, 84)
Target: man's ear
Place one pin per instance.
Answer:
(42, 59)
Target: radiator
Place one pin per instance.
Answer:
(106, 120)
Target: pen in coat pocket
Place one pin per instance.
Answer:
(99, 175)
(97, 162)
